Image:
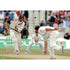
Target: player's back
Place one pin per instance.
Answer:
(42, 30)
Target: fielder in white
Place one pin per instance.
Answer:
(52, 34)
(36, 39)
(15, 29)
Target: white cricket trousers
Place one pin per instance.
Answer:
(30, 45)
(15, 39)
(52, 43)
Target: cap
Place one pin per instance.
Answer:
(21, 16)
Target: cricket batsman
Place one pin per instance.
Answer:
(36, 39)
(52, 34)
(15, 29)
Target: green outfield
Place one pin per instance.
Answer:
(7, 48)
(31, 52)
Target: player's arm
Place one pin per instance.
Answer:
(45, 49)
(49, 29)
(39, 41)
(20, 29)
(32, 39)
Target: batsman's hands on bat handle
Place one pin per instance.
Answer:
(16, 26)
(17, 30)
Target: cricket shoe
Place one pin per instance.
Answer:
(61, 50)
(17, 52)
(25, 52)
(52, 58)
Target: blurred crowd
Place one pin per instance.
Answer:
(59, 19)
(6, 18)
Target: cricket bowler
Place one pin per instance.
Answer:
(36, 39)
(52, 34)
(15, 29)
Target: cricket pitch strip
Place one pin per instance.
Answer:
(34, 56)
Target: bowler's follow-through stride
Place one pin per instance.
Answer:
(51, 33)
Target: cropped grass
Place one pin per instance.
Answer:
(31, 52)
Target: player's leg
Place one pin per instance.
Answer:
(52, 44)
(15, 42)
(41, 46)
(45, 51)
(20, 43)
(51, 52)
(52, 40)
(59, 48)
(28, 48)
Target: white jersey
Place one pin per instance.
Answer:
(36, 39)
(19, 24)
(45, 34)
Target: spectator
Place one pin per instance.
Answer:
(7, 18)
(26, 14)
(1, 15)
(42, 23)
(6, 22)
(6, 27)
(67, 25)
(26, 22)
(61, 13)
(62, 22)
(6, 12)
(52, 19)
(11, 15)
(67, 36)
(1, 29)
(67, 14)
(56, 22)
(57, 14)
(16, 17)
(62, 26)
(25, 32)
(18, 13)
(49, 15)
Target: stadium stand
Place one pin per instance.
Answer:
(54, 18)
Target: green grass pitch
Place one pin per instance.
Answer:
(32, 51)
